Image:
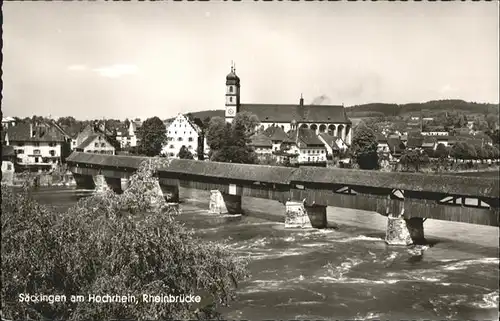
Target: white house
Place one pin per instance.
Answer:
(183, 132)
(8, 122)
(96, 143)
(262, 145)
(40, 145)
(334, 145)
(127, 137)
(304, 146)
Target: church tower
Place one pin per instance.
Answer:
(232, 95)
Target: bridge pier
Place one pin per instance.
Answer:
(401, 231)
(222, 203)
(300, 215)
(124, 183)
(84, 181)
(114, 184)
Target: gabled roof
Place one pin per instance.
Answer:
(90, 139)
(261, 140)
(381, 138)
(44, 132)
(307, 113)
(395, 144)
(415, 141)
(305, 138)
(8, 151)
(275, 133)
(331, 140)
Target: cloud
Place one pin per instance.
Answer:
(115, 71)
(77, 67)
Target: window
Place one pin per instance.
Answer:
(171, 146)
(308, 159)
(9, 167)
(103, 144)
(190, 139)
(171, 154)
(36, 152)
(323, 151)
(36, 159)
(231, 99)
(230, 89)
(20, 151)
(20, 144)
(88, 151)
(52, 152)
(179, 139)
(169, 131)
(190, 147)
(96, 144)
(37, 144)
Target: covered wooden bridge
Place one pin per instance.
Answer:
(411, 196)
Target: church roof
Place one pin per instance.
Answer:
(306, 113)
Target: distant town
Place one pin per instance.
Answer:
(445, 137)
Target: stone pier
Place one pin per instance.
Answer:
(303, 216)
(124, 183)
(84, 181)
(401, 231)
(100, 183)
(222, 203)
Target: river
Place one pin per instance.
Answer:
(344, 273)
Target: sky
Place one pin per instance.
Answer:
(143, 59)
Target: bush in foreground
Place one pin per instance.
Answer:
(110, 244)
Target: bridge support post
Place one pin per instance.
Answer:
(100, 183)
(114, 184)
(84, 181)
(222, 203)
(401, 231)
(124, 183)
(300, 215)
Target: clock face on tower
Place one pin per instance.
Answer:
(230, 111)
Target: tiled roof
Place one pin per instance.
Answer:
(287, 113)
(331, 140)
(8, 151)
(261, 140)
(429, 140)
(42, 133)
(275, 133)
(381, 138)
(414, 142)
(87, 141)
(395, 144)
(306, 138)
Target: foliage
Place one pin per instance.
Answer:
(414, 159)
(441, 152)
(127, 123)
(230, 142)
(494, 135)
(184, 153)
(364, 147)
(153, 136)
(110, 244)
(459, 151)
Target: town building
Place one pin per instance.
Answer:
(8, 122)
(8, 160)
(334, 145)
(262, 145)
(96, 143)
(183, 132)
(127, 137)
(41, 145)
(319, 118)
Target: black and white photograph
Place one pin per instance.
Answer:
(250, 160)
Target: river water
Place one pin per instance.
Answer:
(344, 273)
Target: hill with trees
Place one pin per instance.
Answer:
(429, 108)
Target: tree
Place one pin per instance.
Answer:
(184, 153)
(470, 151)
(459, 151)
(68, 121)
(414, 158)
(248, 121)
(153, 137)
(364, 147)
(217, 132)
(110, 244)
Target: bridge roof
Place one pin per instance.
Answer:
(447, 184)
(232, 171)
(123, 161)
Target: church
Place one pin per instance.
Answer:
(331, 119)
